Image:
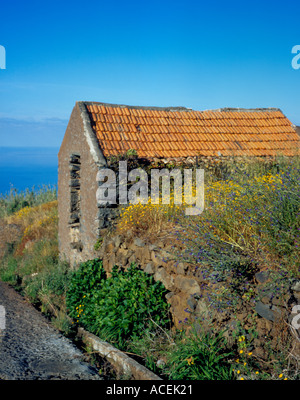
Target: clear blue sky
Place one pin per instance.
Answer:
(198, 54)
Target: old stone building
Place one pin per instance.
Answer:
(96, 131)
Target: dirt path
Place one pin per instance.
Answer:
(30, 348)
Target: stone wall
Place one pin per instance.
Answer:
(77, 206)
(156, 259)
(189, 292)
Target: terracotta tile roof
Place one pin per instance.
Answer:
(180, 132)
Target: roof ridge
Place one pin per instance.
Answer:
(169, 108)
(247, 109)
(180, 108)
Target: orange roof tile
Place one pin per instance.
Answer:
(180, 132)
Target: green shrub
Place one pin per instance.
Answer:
(84, 284)
(119, 307)
(9, 270)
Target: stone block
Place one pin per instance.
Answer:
(149, 269)
(166, 279)
(267, 311)
(143, 254)
(109, 247)
(178, 305)
(122, 257)
(187, 285)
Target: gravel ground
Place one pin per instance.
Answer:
(31, 349)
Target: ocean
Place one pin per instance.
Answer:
(27, 167)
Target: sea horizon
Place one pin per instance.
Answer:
(30, 168)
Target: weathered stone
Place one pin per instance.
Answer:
(143, 254)
(296, 287)
(74, 183)
(74, 168)
(262, 276)
(187, 285)
(109, 247)
(74, 220)
(166, 279)
(74, 197)
(153, 247)
(180, 268)
(169, 295)
(192, 303)
(202, 309)
(156, 259)
(76, 246)
(139, 242)
(75, 159)
(178, 304)
(132, 259)
(149, 269)
(122, 257)
(105, 262)
(111, 262)
(165, 255)
(117, 241)
(297, 296)
(267, 311)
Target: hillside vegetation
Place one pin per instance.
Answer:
(250, 224)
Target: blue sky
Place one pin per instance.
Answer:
(197, 54)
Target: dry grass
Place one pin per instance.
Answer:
(36, 223)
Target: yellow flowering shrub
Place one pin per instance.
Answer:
(37, 222)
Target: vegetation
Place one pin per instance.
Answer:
(118, 307)
(200, 356)
(252, 210)
(251, 221)
(16, 200)
(30, 259)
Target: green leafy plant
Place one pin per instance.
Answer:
(118, 307)
(82, 291)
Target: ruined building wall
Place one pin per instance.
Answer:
(77, 207)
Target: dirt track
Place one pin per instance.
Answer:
(30, 348)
